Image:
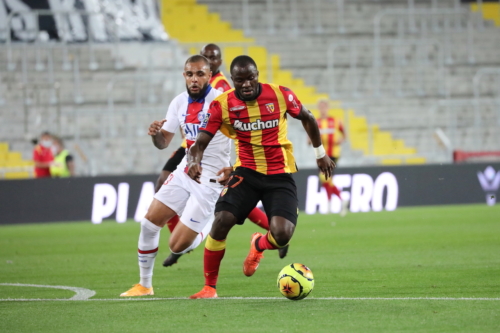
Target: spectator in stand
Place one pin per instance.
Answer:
(42, 156)
(64, 165)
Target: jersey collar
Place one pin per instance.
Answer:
(201, 99)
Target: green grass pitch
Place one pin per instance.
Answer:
(444, 253)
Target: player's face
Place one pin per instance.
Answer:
(323, 108)
(197, 75)
(246, 82)
(214, 58)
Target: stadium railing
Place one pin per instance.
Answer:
(292, 26)
(425, 50)
(33, 33)
(428, 17)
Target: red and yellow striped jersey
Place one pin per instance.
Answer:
(258, 127)
(219, 82)
(329, 129)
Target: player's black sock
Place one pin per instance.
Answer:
(213, 286)
(257, 244)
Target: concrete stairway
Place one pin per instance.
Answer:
(102, 113)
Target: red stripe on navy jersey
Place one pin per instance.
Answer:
(240, 112)
(193, 109)
(272, 147)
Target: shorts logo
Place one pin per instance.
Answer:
(205, 120)
(270, 107)
(237, 108)
(223, 192)
(256, 125)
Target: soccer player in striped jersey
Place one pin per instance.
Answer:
(332, 136)
(213, 53)
(254, 115)
(219, 82)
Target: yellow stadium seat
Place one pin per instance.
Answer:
(14, 156)
(490, 11)
(4, 147)
(415, 160)
(231, 52)
(391, 161)
(17, 175)
(191, 22)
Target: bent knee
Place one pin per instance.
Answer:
(282, 236)
(223, 222)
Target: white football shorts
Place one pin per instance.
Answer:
(193, 202)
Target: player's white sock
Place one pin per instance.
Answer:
(197, 241)
(149, 239)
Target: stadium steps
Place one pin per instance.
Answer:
(12, 164)
(133, 109)
(490, 12)
(304, 53)
(174, 15)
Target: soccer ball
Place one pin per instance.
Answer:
(295, 281)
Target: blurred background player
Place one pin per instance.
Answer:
(332, 136)
(64, 165)
(254, 112)
(43, 156)
(213, 54)
(218, 81)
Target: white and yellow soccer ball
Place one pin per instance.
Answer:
(295, 281)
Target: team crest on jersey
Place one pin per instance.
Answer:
(270, 107)
(201, 116)
(223, 192)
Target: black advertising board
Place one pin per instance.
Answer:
(368, 189)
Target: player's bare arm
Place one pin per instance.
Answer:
(325, 164)
(161, 138)
(195, 155)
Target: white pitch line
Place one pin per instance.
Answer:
(81, 294)
(261, 298)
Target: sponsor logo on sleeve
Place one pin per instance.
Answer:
(205, 120)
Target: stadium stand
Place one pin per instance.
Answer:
(12, 165)
(271, 70)
(394, 74)
(391, 63)
(102, 112)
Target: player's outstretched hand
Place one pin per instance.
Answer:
(156, 126)
(194, 171)
(326, 165)
(225, 172)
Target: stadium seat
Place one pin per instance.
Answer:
(490, 11)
